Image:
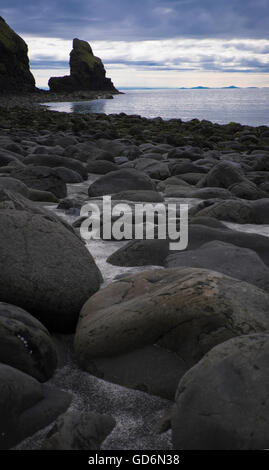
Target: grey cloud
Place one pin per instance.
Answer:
(139, 20)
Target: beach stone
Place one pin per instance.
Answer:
(67, 175)
(48, 150)
(172, 181)
(261, 211)
(247, 190)
(25, 343)
(79, 431)
(209, 222)
(54, 161)
(46, 269)
(265, 187)
(138, 196)
(13, 184)
(7, 159)
(41, 178)
(234, 261)
(42, 196)
(116, 147)
(222, 402)
(201, 234)
(101, 167)
(201, 193)
(153, 168)
(12, 200)
(258, 177)
(223, 175)
(26, 405)
(158, 156)
(141, 253)
(188, 167)
(121, 180)
(261, 162)
(238, 211)
(66, 140)
(192, 178)
(179, 152)
(185, 311)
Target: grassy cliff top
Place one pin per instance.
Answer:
(82, 51)
(9, 39)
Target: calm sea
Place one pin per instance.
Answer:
(248, 106)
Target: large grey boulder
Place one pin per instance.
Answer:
(138, 196)
(222, 402)
(223, 175)
(200, 193)
(183, 311)
(25, 343)
(101, 167)
(237, 210)
(121, 180)
(41, 178)
(155, 169)
(54, 161)
(247, 190)
(26, 406)
(200, 234)
(45, 268)
(141, 253)
(13, 184)
(232, 260)
(12, 200)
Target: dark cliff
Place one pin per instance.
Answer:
(15, 75)
(87, 72)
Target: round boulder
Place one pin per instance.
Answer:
(222, 402)
(41, 178)
(25, 343)
(26, 406)
(234, 261)
(121, 180)
(184, 311)
(45, 268)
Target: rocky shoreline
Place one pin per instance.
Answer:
(112, 343)
(39, 97)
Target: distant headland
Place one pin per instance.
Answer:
(232, 87)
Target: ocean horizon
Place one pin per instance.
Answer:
(247, 106)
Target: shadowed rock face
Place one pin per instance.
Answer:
(15, 75)
(87, 72)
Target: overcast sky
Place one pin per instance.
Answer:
(150, 42)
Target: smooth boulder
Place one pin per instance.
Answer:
(222, 402)
(41, 178)
(55, 161)
(183, 311)
(200, 234)
(121, 180)
(46, 269)
(26, 406)
(232, 260)
(25, 343)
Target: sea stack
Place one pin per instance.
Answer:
(87, 72)
(15, 75)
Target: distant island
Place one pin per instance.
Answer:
(232, 87)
